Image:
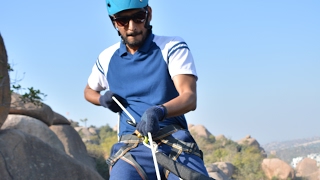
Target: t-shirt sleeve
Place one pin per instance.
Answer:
(180, 59)
(97, 79)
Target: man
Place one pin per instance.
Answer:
(154, 78)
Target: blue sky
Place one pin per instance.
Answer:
(258, 61)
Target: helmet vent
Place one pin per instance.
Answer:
(108, 5)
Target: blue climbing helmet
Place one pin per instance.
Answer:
(115, 6)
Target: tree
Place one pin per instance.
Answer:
(32, 95)
(84, 121)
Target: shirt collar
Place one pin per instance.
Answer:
(144, 48)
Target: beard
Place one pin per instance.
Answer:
(134, 39)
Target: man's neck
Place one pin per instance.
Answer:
(132, 50)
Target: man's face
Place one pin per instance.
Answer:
(130, 24)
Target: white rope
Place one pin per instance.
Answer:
(153, 149)
(123, 109)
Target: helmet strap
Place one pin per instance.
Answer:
(147, 22)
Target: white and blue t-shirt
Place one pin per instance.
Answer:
(143, 79)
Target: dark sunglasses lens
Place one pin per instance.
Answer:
(122, 21)
(139, 17)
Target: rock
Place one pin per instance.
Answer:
(249, 141)
(199, 131)
(41, 112)
(277, 168)
(115, 128)
(88, 135)
(58, 119)
(216, 173)
(5, 94)
(33, 127)
(190, 126)
(226, 167)
(313, 176)
(306, 167)
(221, 137)
(73, 123)
(92, 131)
(24, 156)
(216, 176)
(73, 144)
(212, 168)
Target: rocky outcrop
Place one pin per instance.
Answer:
(89, 135)
(215, 172)
(307, 168)
(277, 168)
(33, 127)
(199, 131)
(33, 148)
(73, 144)
(226, 167)
(221, 137)
(5, 97)
(41, 112)
(59, 119)
(24, 156)
(249, 141)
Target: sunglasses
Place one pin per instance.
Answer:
(138, 17)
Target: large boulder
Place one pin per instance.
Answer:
(221, 137)
(199, 131)
(216, 173)
(307, 168)
(33, 127)
(58, 119)
(88, 135)
(27, 157)
(41, 112)
(226, 167)
(73, 144)
(5, 96)
(250, 141)
(277, 168)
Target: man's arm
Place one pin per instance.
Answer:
(187, 99)
(91, 95)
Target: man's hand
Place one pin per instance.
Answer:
(107, 101)
(150, 120)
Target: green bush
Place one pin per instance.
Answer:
(248, 163)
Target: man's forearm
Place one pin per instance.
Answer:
(181, 104)
(91, 95)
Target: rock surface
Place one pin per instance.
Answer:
(307, 168)
(58, 119)
(41, 112)
(5, 96)
(199, 131)
(277, 168)
(24, 156)
(73, 144)
(33, 127)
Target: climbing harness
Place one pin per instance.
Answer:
(163, 136)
